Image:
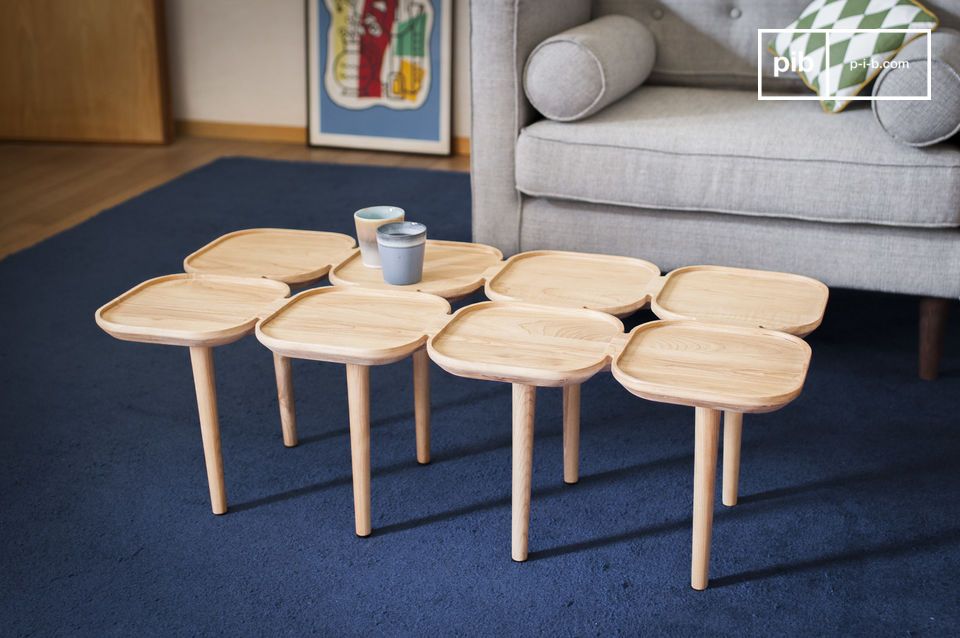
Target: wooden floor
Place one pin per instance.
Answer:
(47, 188)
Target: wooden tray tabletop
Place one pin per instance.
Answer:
(190, 309)
(290, 256)
(742, 297)
(451, 269)
(523, 343)
(615, 285)
(612, 284)
(352, 325)
(712, 366)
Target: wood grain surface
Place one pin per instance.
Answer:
(524, 343)
(189, 309)
(741, 297)
(451, 269)
(83, 70)
(47, 188)
(713, 366)
(352, 324)
(616, 285)
(290, 256)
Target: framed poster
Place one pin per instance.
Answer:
(379, 74)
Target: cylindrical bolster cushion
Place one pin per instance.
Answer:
(578, 72)
(922, 123)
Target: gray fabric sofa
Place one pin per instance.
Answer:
(691, 168)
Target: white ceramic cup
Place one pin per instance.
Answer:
(368, 220)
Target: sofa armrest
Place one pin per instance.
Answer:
(502, 35)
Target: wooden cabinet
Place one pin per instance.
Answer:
(83, 70)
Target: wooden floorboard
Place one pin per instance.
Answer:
(47, 188)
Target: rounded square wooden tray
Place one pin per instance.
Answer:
(352, 325)
(741, 297)
(616, 285)
(522, 343)
(713, 366)
(290, 256)
(190, 309)
(451, 269)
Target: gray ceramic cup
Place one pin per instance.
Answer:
(401, 246)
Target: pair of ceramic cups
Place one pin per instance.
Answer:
(390, 243)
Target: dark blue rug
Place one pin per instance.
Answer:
(849, 523)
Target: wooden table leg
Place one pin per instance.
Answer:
(704, 484)
(204, 380)
(571, 433)
(524, 400)
(421, 404)
(288, 413)
(732, 431)
(358, 394)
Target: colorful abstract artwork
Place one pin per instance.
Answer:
(380, 74)
(378, 53)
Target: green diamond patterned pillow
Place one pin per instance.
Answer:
(855, 58)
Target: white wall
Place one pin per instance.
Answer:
(243, 61)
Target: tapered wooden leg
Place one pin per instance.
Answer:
(571, 434)
(201, 358)
(704, 484)
(732, 431)
(524, 400)
(421, 404)
(933, 324)
(358, 396)
(288, 413)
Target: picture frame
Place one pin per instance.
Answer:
(379, 74)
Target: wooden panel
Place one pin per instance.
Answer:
(83, 70)
(269, 133)
(240, 131)
(461, 146)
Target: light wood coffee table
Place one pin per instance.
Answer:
(782, 302)
(711, 368)
(299, 257)
(740, 297)
(451, 270)
(616, 285)
(553, 323)
(295, 257)
(199, 312)
(358, 311)
(360, 327)
(527, 346)
(622, 285)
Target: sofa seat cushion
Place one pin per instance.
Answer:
(724, 151)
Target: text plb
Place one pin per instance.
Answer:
(795, 64)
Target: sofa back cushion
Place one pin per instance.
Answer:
(713, 43)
